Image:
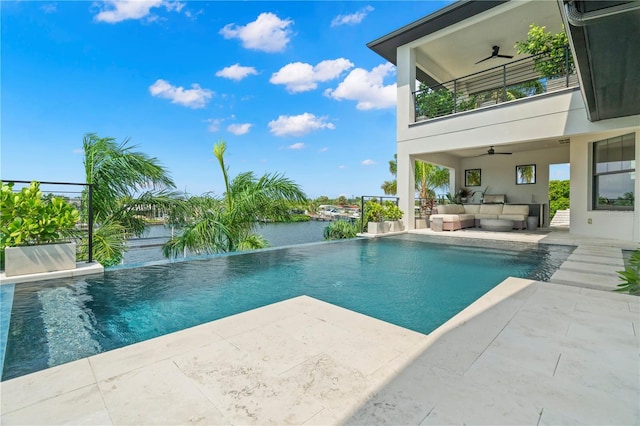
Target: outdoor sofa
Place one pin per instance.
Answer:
(458, 216)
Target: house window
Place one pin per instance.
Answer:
(614, 171)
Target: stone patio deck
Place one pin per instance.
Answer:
(525, 353)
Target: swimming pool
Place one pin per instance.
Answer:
(413, 284)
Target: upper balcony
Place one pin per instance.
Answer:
(522, 78)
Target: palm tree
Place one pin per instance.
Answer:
(228, 223)
(124, 183)
(390, 187)
(428, 177)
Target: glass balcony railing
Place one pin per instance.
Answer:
(534, 75)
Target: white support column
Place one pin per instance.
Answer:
(406, 81)
(406, 188)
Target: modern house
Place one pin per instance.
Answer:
(468, 101)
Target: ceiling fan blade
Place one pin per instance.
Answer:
(485, 59)
(503, 153)
(505, 56)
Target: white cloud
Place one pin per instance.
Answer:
(368, 162)
(196, 97)
(78, 151)
(193, 15)
(323, 149)
(239, 129)
(236, 72)
(49, 8)
(300, 76)
(112, 11)
(298, 145)
(367, 88)
(342, 166)
(298, 125)
(214, 124)
(352, 19)
(267, 33)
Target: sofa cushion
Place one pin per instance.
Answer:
(471, 208)
(518, 209)
(490, 209)
(450, 209)
(446, 217)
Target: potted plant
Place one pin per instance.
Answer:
(392, 216)
(31, 230)
(374, 214)
(464, 194)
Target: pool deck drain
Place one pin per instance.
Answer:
(525, 353)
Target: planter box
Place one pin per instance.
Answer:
(376, 227)
(421, 223)
(394, 226)
(36, 259)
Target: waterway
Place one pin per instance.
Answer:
(148, 247)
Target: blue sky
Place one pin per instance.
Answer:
(291, 87)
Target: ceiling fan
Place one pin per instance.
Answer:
(495, 54)
(492, 151)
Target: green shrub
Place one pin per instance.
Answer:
(558, 196)
(552, 62)
(29, 218)
(434, 103)
(391, 211)
(373, 212)
(340, 230)
(631, 275)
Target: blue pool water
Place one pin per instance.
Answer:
(413, 284)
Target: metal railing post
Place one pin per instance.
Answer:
(504, 83)
(455, 96)
(90, 224)
(362, 213)
(566, 63)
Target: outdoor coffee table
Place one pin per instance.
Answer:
(500, 225)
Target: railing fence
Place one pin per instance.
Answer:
(518, 79)
(75, 198)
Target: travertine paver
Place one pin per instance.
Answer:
(591, 268)
(529, 373)
(598, 260)
(587, 250)
(583, 279)
(525, 353)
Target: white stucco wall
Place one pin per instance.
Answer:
(605, 224)
(542, 120)
(498, 172)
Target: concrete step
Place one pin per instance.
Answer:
(561, 218)
(600, 260)
(598, 251)
(583, 279)
(591, 268)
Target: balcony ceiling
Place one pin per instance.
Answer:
(454, 53)
(449, 42)
(512, 148)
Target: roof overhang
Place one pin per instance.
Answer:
(387, 46)
(451, 42)
(604, 36)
